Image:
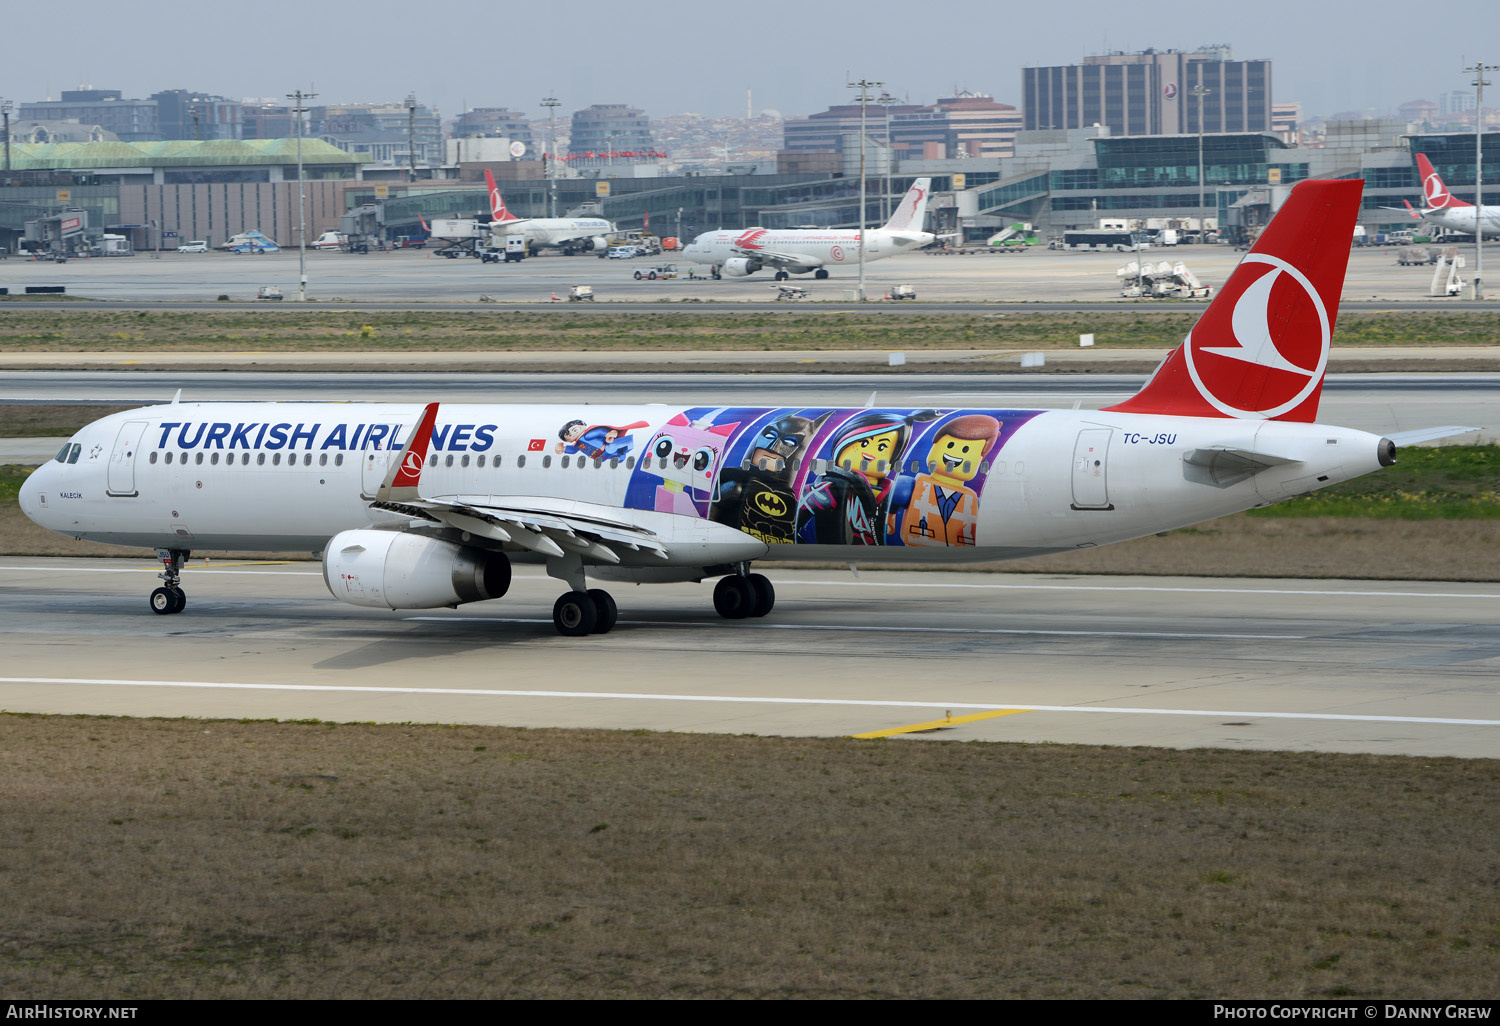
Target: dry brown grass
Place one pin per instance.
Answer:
(161, 859)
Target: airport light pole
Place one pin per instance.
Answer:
(1478, 69)
(886, 101)
(298, 110)
(551, 103)
(5, 108)
(864, 85)
(1200, 92)
(411, 137)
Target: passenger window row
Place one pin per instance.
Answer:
(212, 459)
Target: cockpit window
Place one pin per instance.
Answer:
(62, 454)
(77, 451)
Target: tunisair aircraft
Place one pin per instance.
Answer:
(417, 506)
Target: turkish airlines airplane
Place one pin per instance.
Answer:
(419, 506)
(800, 250)
(1447, 211)
(569, 234)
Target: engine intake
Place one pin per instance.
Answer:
(393, 570)
(739, 267)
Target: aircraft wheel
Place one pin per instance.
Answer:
(734, 597)
(162, 601)
(604, 606)
(765, 594)
(821, 272)
(574, 614)
(782, 276)
(179, 600)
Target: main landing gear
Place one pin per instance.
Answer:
(583, 610)
(821, 272)
(742, 595)
(171, 598)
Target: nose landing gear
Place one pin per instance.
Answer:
(170, 598)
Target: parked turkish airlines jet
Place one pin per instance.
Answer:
(1447, 211)
(569, 234)
(800, 250)
(418, 506)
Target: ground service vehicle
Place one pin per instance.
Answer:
(659, 271)
(1105, 240)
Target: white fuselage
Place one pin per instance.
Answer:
(288, 476)
(803, 249)
(551, 232)
(1461, 219)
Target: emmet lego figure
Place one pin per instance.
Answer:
(938, 507)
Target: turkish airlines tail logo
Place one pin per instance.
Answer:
(497, 204)
(1260, 349)
(406, 475)
(1434, 193)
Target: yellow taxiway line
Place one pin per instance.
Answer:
(950, 721)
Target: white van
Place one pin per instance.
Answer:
(196, 246)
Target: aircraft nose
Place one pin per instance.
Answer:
(32, 494)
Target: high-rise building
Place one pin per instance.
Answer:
(967, 125)
(183, 114)
(610, 128)
(1151, 93)
(496, 122)
(381, 130)
(130, 120)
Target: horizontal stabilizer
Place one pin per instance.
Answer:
(1222, 466)
(1427, 434)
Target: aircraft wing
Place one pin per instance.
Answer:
(771, 258)
(585, 234)
(506, 227)
(547, 526)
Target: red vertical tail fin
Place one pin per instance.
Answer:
(497, 204)
(404, 477)
(1260, 349)
(1434, 193)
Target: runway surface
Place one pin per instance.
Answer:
(1337, 666)
(422, 278)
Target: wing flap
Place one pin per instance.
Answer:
(551, 531)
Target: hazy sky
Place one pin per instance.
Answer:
(669, 57)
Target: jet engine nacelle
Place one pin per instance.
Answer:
(598, 244)
(738, 267)
(393, 570)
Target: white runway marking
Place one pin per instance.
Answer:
(888, 630)
(746, 699)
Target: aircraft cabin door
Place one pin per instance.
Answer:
(122, 459)
(1090, 469)
(373, 465)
